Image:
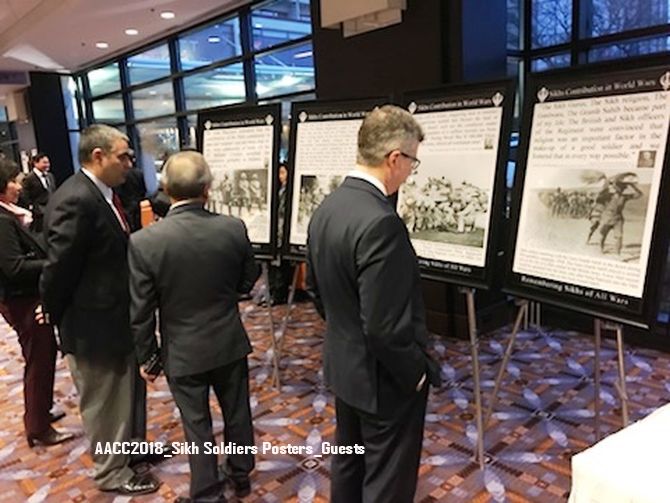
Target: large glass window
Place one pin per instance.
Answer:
(158, 140)
(109, 109)
(217, 87)
(629, 49)
(215, 42)
(614, 16)
(283, 72)
(153, 101)
(149, 65)
(550, 62)
(280, 21)
(104, 80)
(552, 22)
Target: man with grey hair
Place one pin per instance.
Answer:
(191, 266)
(364, 277)
(85, 292)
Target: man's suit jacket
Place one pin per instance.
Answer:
(21, 258)
(191, 266)
(36, 196)
(364, 276)
(85, 280)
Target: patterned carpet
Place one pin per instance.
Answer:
(544, 417)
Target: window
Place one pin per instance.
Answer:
(629, 49)
(217, 87)
(552, 22)
(149, 65)
(283, 72)
(216, 42)
(615, 16)
(109, 110)
(550, 62)
(153, 101)
(104, 80)
(158, 140)
(280, 21)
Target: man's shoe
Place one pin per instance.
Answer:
(138, 484)
(49, 437)
(242, 486)
(56, 415)
(152, 458)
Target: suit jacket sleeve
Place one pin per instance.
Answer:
(30, 190)
(143, 303)
(250, 269)
(312, 286)
(66, 235)
(386, 277)
(15, 264)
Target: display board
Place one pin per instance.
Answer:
(452, 205)
(591, 193)
(323, 148)
(241, 145)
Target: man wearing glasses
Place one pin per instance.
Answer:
(364, 277)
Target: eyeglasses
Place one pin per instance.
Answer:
(415, 162)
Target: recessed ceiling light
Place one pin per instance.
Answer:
(102, 45)
(213, 39)
(167, 14)
(132, 31)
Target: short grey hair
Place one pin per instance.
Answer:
(187, 175)
(98, 136)
(383, 130)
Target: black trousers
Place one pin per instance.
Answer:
(388, 471)
(191, 393)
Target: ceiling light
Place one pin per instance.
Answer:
(213, 39)
(132, 31)
(102, 45)
(258, 25)
(167, 14)
(301, 55)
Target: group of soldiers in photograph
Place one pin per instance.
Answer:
(246, 194)
(439, 206)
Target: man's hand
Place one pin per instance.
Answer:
(41, 317)
(148, 377)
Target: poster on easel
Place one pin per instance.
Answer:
(591, 193)
(241, 145)
(453, 204)
(323, 149)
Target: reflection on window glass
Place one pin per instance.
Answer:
(613, 16)
(158, 140)
(149, 65)
(513, 24)
(279, 21)
(217, 87)
(70, 96)
(216, 42)
(550, 62)
(283, 72)
(192, 121)
(629, 49)
(104, 80)
(153, 101)
(552, 21)
(109, 109)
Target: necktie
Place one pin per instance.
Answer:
(47, 182)
(122, 215)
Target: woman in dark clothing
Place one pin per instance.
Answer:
(21, 261)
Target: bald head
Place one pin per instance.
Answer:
(187, 176)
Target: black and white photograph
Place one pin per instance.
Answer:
(589, 212)
(241, 193)
(646, 159)
(313, 190)
(448, 208)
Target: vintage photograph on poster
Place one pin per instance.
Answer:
(451, 207)
(313, 190)
(587, 233)
(589, 212)
(241, 193)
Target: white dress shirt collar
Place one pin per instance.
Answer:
(357, 173)
(106, 190)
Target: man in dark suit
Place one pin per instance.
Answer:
(37, 187)
(191, 266)
(85, 292)
(364, 276)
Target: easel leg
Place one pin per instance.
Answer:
(275, 354)
(474, 346)
(596, 377)
(522, 315)
(622, 376)
(289, 308)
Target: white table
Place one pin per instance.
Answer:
(630, 466)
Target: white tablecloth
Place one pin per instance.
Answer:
(630, 466)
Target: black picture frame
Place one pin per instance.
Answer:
(237, 116)
(571, 85)
(317, 111)
(470, 97)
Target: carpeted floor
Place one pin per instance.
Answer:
(545, 415)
